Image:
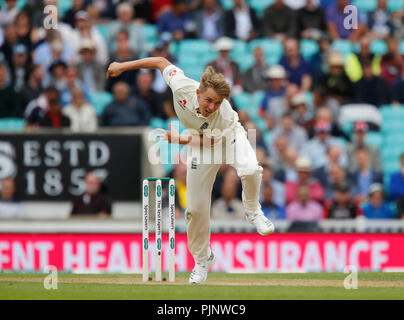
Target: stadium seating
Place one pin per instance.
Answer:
(100, 100)
(63, 6)
(11, 124)
(365, 5)
(378, 47)
(308, 48)
(394, 5)
(343, 46)
(260, 5)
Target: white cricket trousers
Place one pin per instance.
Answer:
(200, 179)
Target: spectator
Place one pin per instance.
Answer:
(278, 151)
(297, 68)
(342, 206)
(396, 188)
(271, 210)
(371, 89)
(279, 21)
(151, 98)
(392, 62)
(125, 14)
(19, 68)
(69, 16)
(241, 22)
(301, 113)
(335, 176)
(273, 104)
(304, 208)
(93, 201)
(318, 61)
(364, 176)
(224, 65)
(398, 89)
(335, 17)
(278, 188)
(378, 21)
(9, 207)
(23, 29)
(326, 114)
(8, 96)
(297, 136)
(8, 12)
(354, 61)
(125, 110)
(10, 40)
(360, 130)
(304, 172)
(208, 20)
(377, 208)
(336, 85)
(175, 21)
(39, 106)
(255, 78)
(316, 148)
(54, 118)
(228, 207)
(57, 72)
(33, 88)
(72, 81)
(286, 171)
(81, 114)
(91, 72)
(333, 160)
(311, 22)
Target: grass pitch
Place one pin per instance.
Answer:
(218, 286)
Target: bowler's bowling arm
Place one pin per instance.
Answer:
(116, 68)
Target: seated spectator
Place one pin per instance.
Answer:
(341, 206)
(57, 71)
(278, 188)
(364, 176)
(304, 208)
(316, 147)
(336, 85)
(301, 113)
(9, 207)
(228, 207)
(54, 118)
(125, 110)
(335, 18)
(10, 40)
(271, 210)
(93, 200)
(279, 21)
(297, 136)
(377, 208)
(81, 114)
(371, 89)
(318, 61)
(69, 16)
(392, 62)
(208, 20)
(278, 151)
(287, 171)
(125, 14)
(8, 12)
(23, 27)
(19, 69)
(360, 130)
(8, 97)
(398, 89)
(354, 61)
(72, 81)
(224, 65)
(333, 159)
(39, 106)
(273, 104)
(175, 21)
(304, 172)
(145, 92)
(296, 67)
(33, 88)
(396, 188)
(326, 114)
(336, 175)
(241, 22)
(255, 78)
(379, 22)
(91, 72)
(311, 22)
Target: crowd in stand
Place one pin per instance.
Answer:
(313, 169)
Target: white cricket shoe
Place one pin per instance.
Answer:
(263, 224)
(200, 272)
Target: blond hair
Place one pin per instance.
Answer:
(211, 79)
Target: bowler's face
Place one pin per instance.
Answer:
(209, 101)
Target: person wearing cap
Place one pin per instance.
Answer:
(175, 21)
(91, 72)
(255, 78)
(57, 71)
(304, 178)
(396, 188)
(19, 69)
(301, 113)
(297, 136)
(279, 21)
(241, 21)
(360, 129)
(298, 70)
(304, 208)
(316, 147)
(341, 206)
(364, 176)
(377, 207)
(225, 65)
(273, 104)
(209, 21)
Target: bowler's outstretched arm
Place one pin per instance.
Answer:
(116, 68)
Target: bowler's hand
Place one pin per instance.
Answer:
(114, 70)
(171, 135)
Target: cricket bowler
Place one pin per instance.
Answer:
(203, 107)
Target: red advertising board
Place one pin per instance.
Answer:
(236, 252)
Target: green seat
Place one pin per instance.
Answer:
(343, 46)
(308, 48)
(149, 31)
(269, 46)
(378, 47)
(193, 71)
(374, 139)
(244, 61)
(242, 100)
(239, 49)
(100, 100)
(63, 6)
(12, 124)
(157, 123)
(394, 5)
(260, 6)
(261, 124)
(257, 98)
(267, 136)
(103, 29)
(365, 5)
(227, 4)
(197, 47)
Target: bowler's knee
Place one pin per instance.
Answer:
(249, 170)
